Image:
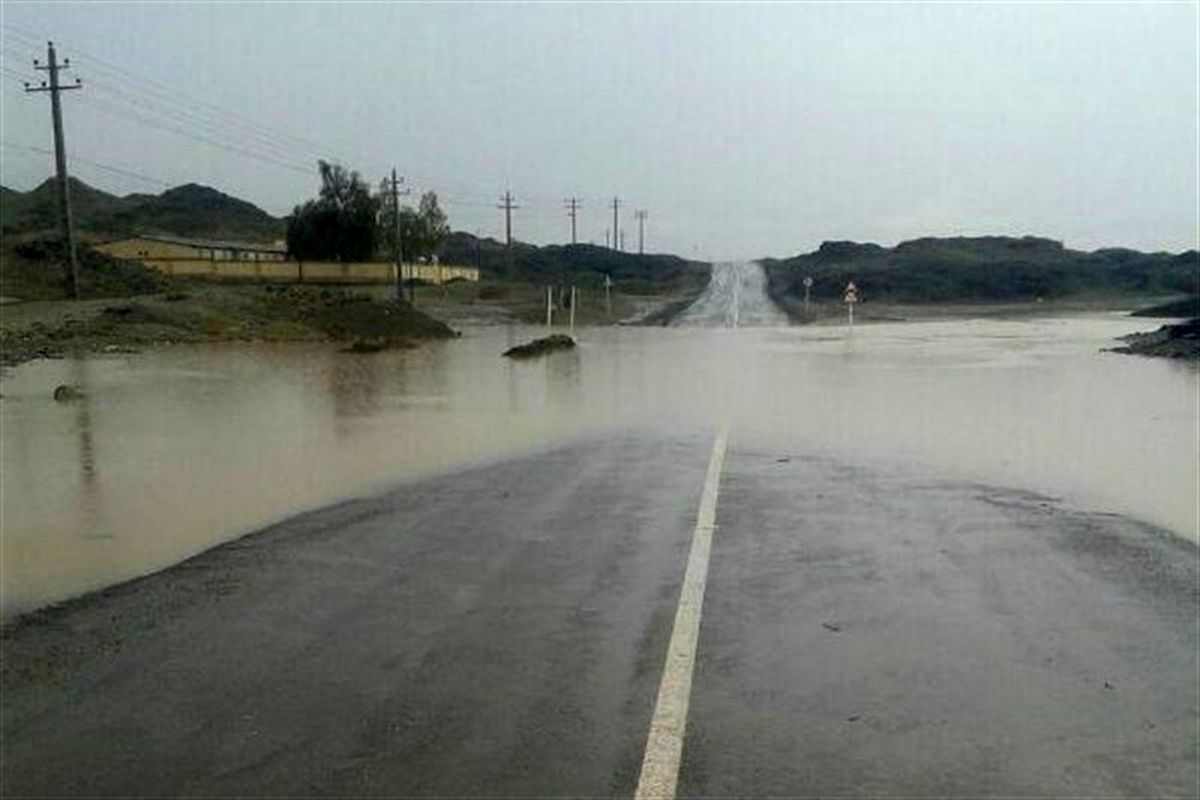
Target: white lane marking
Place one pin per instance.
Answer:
(664, 746)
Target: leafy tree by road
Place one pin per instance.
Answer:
(340, 224)
(423, 230)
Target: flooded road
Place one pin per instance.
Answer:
(736, 297)
(175, 450)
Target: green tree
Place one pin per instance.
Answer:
(423, 230)
(340, 224)
(430, 226)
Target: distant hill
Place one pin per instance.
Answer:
(582, 264)
(972, 269)
(190, 210)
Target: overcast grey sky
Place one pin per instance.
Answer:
(744, 130)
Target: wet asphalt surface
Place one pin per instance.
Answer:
(501, 631)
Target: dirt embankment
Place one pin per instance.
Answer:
(207, 313)
(1181, 340)
(126, 306)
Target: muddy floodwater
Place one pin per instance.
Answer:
(172, 451)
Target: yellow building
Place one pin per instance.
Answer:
(152, 249)
(265, 262)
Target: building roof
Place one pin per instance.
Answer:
(214, 244)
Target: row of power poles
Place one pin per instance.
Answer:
(54, 87)
(573, 205)
(618, 235)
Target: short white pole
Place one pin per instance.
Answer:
(573, 296)
(549, 307)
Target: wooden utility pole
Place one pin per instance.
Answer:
(398, 240)
(641, 218)
(616, 204)
(60, 153)
(506, 203)
(572, 209)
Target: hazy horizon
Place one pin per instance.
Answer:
(743, 131)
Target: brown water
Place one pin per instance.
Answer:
(177, 449)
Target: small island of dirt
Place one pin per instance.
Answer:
(547, 344)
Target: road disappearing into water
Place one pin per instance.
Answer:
(926, 563)
(736, 297)
(504, 633)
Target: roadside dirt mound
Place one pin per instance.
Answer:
(346, 315)
(37, 269)
(203, 312)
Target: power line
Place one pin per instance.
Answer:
(153, 87)
(120, 113)
(256, 141)
(170, 119)
(91, 162)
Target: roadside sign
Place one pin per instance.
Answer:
(808, 282)
(851, 297)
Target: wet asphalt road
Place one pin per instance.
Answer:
(501, 632)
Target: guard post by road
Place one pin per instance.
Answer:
(850, 298)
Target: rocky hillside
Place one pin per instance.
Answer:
(190, 210)
(979, 269)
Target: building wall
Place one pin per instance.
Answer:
(221, 264)
(139, 249)
(307, 271)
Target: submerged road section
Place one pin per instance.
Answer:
(736, 297)
(508, 631)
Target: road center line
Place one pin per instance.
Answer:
(664, 746)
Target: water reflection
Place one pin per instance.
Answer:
(564, 384)
(91, 494)
(355, 382)
(183, 447)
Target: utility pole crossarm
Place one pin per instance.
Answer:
(78, 84)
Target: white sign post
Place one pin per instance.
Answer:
(607, 294)
(808, 282)
(851, 297)
(549, 307)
